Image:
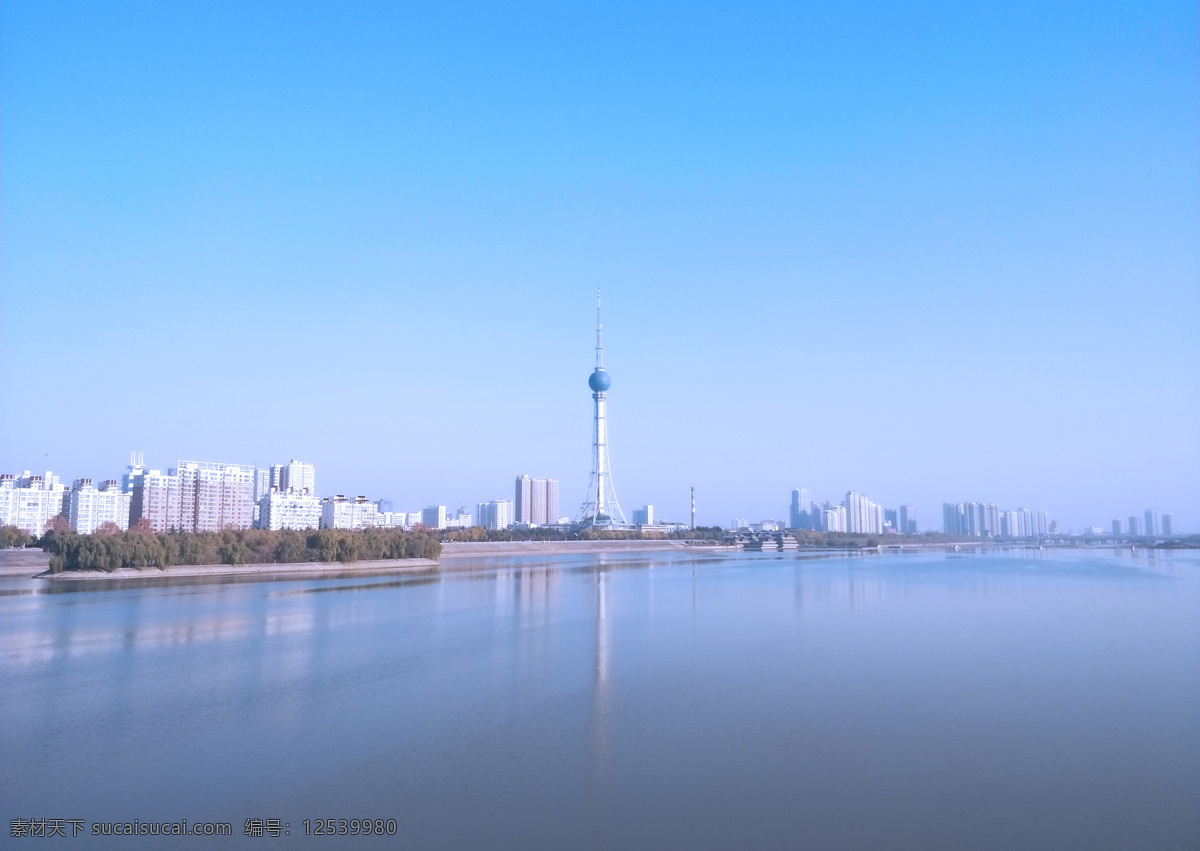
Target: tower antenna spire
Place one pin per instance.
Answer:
(599, 335)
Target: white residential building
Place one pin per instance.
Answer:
(91, 506)
(29, 502)
(294, 476)
(833, 518)
(495, 515)
(338, 512)
(393, 519)
(290, 510)
(862, 515)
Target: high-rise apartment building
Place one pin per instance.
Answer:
(536, 502)
(290, 510)
(91, 506)
(294, 476)
(1134, 531)
(1168, 524)
(291, 500)
(1151, 525)
(338, 512)
(862, 515)
(215, 496)
(155, 497)
(195, 496)
(833, 518)
(908, 519)
(1116, 527)
(495, 515)
(29, 502)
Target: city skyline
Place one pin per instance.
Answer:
(825, 258)
(208, 496)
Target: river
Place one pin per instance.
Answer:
(923, 700)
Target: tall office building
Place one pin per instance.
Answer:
(536, 501)
(908, 519)
(800, 511)
(643, 516)
(953, 516)
(600, 506)
(434, 516)
(495, 515)
(262, 487)
(91, 506)
(30, 502)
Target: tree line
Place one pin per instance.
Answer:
(109, 550)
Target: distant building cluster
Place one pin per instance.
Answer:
(204, 496)
(1149, 525)
(988, 520)
(855, 513)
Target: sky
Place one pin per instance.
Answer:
(928, 252)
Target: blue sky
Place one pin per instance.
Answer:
(926, 251)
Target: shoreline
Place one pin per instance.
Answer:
(33, 564)
(264, 571)
(476, 549)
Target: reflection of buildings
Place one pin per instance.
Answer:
(536, 589)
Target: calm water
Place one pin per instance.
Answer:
(925, 701)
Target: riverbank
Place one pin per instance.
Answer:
(264, 571)
(483, 549)
(23, 562)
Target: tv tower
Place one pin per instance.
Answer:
(600, 506)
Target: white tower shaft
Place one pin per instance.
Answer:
(600, 506)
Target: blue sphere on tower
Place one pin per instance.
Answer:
(599, 380)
